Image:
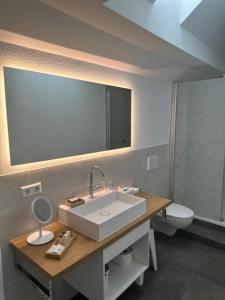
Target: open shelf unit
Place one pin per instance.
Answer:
(121, 277)
(89, 278)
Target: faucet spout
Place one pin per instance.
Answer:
(92, 187)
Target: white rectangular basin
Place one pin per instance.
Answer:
(101, 216)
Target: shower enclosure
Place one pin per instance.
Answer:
(198, 148)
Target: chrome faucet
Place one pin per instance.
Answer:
(93, 187)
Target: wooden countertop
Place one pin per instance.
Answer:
(83, 246)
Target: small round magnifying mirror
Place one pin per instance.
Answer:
(42, 212)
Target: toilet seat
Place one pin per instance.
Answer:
(178, 211)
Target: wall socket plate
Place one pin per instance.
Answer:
(31, 189)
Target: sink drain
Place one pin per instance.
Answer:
(105, 213)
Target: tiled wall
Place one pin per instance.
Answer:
(200, 146)
(15, 216)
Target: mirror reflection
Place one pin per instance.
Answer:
(42, 210)
(53, 117)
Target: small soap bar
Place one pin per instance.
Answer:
(129, 190)
(73, 200)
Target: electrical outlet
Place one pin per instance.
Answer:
(31, 189)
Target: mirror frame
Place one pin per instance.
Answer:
(35, 200)
(5, 163)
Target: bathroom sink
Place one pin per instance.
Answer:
(101, 216)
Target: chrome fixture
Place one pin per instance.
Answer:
(93, 187)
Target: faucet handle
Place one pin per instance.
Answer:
(102, 184)
(110, 185)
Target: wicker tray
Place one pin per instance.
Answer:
(56, 242)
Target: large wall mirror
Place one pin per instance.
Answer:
(51, 117)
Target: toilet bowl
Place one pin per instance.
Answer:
(177, 217)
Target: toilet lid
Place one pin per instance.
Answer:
(179, 211)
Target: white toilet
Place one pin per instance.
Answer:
(177, 217)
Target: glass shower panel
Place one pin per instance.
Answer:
(200, 146)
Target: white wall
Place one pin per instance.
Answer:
(163, 19)
(151, 112)
(2, 297)
(212, 32)
(186, 7)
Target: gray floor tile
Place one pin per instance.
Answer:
(134, 292)
(202, 259)
(209, 233)
(214, 267)
(203, 289)
(189, 255)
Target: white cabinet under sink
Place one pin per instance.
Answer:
(89, 277)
